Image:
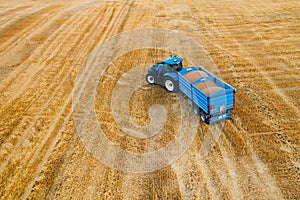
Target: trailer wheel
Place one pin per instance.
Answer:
(150, 78)
(170, 84)
(203, 116)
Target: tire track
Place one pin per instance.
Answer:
(29, 23)
(83, 41)
(62, 171)
(266, 44)
(108, 31)
(46, 59)
(82, 80)
(231, 166)
(202, 183)
(32, 73)
(52, 145)
(19, 52)
(60, 174)
(32, 161)
(190, 179)
(263, 172)
(44, 65)
(260, 69)
(13, 10)
(253, 162)
(53, 192)
(35, 100)
(51, 87)
(35, 57)
(98, 18)
(214, 192)
(13, 15)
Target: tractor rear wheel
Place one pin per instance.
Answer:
(170, 84)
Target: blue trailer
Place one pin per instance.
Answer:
(211, 98)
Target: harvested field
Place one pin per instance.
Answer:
(49, 51)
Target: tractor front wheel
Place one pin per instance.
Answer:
(150, 79)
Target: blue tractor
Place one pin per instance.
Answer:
(165, 73)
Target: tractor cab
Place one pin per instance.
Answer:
(174, 62)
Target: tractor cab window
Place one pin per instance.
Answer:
(177, 66)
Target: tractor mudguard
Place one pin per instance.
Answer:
(173, 75)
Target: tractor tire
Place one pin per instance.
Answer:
(171, 85)
(150, 78)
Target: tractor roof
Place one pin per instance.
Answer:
(172, 60)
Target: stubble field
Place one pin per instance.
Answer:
(44, 46)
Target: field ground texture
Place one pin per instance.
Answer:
(43, 45)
